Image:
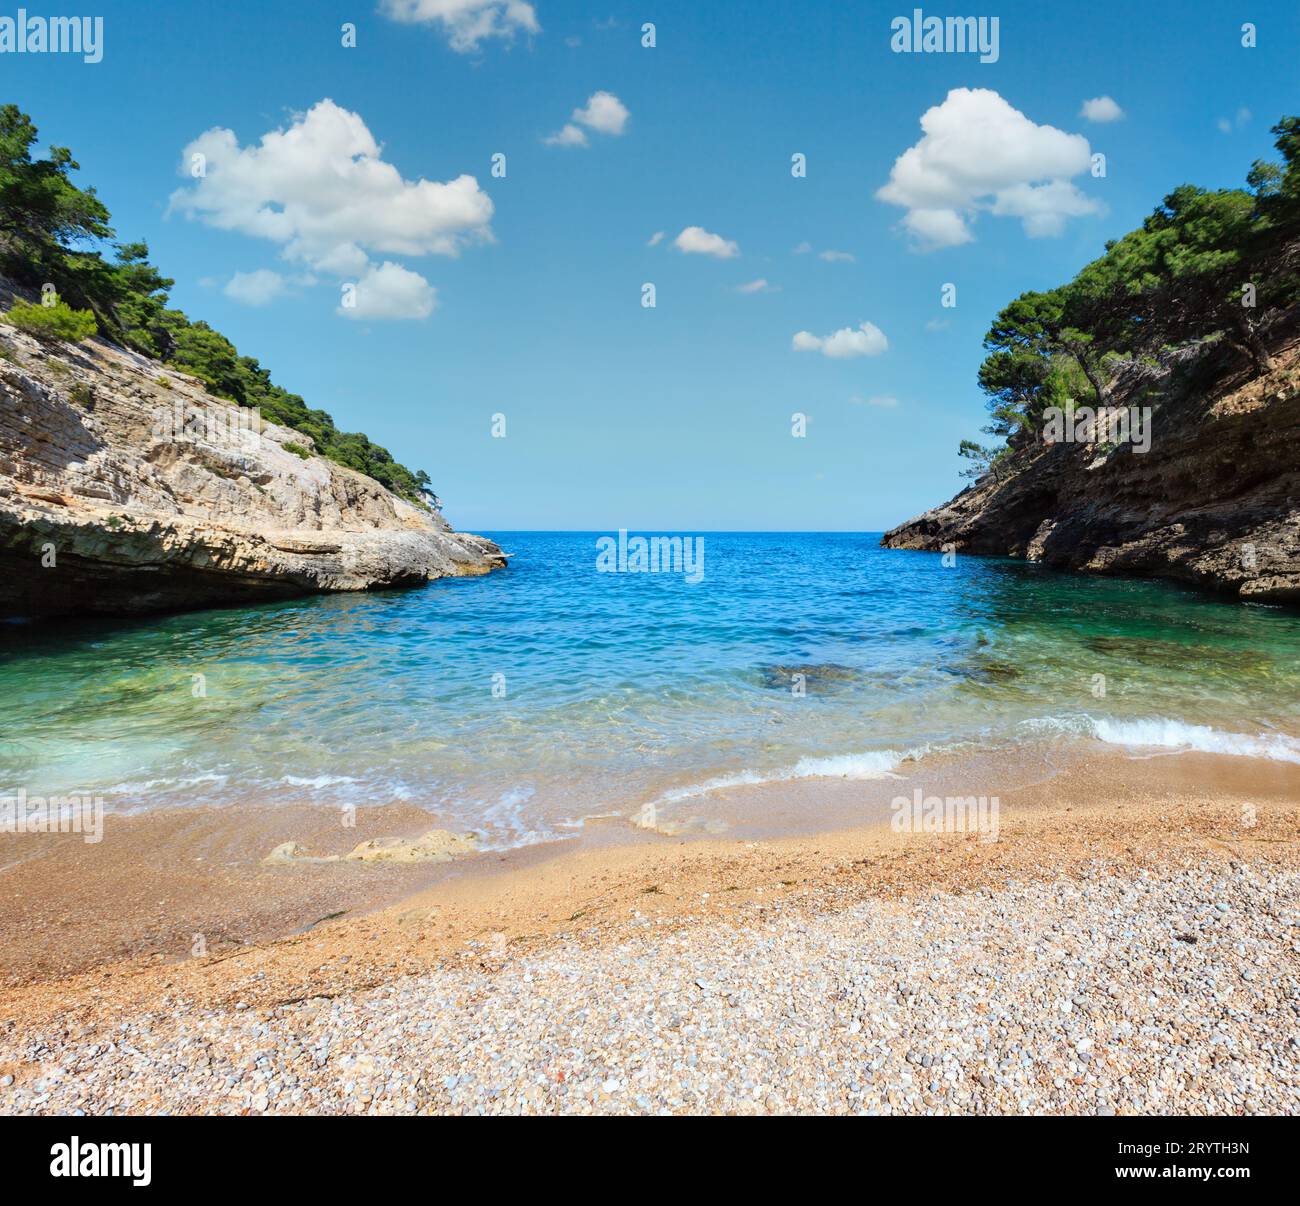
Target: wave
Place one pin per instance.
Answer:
(872, 764)
(1177, 735)
(318, 780)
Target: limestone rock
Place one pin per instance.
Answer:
(126, 487)
(1215, 502)
(285, 852)
(438, 845)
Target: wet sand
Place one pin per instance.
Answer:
(1127, 945)
(183, 899)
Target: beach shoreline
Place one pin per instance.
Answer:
(165, 887)
(1097, 825)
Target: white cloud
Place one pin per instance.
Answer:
(803, 249)
(759, 286)
(695, 240)
(321, 189)
(837, 257)
(258, 288)
(1226, 125)
(1101, 109)
(866, 339)
(938, 324)
(1043, 208)
(466, 22)
(603, 112)
(656, 239)
(979, 153)
(567, 136)
(391, 291)
(937, 227)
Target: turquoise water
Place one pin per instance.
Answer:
(519, 703)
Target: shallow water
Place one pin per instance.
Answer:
(519, 703)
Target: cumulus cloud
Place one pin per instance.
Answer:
(604, 113)
(695, 240)
(866, 339)
(656, 239)
(758, 286)
(1101, 109)
(258, 288)
(321, 189)
(566, 136)
(466, 22)
(1043, 208)
(390, 291)
(979, 153)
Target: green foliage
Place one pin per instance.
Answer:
(984, 459)
(50, 232)
(42, 213)
(1189, 273)
(59, 321)
(297, 449)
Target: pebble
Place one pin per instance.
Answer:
(1066, 997)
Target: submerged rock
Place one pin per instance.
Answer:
(126, 488)
(438, 845)
(285, 852)
(813, 675)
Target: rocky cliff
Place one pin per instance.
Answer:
(126, 488)
(1214, 502)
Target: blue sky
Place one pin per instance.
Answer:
(677, 417)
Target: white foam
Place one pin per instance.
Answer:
(1174, 734)
(170, 784)
(872, 764)
(741, 779)
(503, 824)
(875, 764)
(1161, 733)
(318, 780)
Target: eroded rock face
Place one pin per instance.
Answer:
(1215, 502)
(126, 488)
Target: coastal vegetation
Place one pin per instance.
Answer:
(53, 232)
(57, 320)
(1206, 266)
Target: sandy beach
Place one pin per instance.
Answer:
(1128, 944)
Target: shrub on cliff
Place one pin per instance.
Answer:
(1206, 265)
(46, 224)
(57, 321)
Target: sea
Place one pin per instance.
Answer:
(576, 685)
